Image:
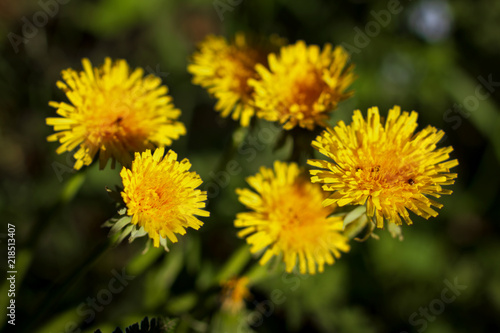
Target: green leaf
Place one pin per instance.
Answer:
(234, 265)
(163, 242)
(356, 226)
(182, 304)
(141, 262)
(354, 215)
(67, 321)
(137, 233)
(228, 322)
(119, 225)
(72, 187)
(395, 231)
(160, 280)
(124, 234)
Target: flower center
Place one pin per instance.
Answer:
(113, 118)
(238, 67)
(296, 221)
(386, 170)
(307, 87)
(160, 202)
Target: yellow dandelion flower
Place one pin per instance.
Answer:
(224, 69)
(113, 111)
(303, 85)
(234, 292)
(287, 218)
(388, 167)
(161, 195)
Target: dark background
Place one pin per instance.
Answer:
(428, 56)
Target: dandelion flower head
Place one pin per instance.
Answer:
(161, 196)
(113, 111)
(288, 219)
(224, 68)
(302, 85)
(234, 293)
(387, 166)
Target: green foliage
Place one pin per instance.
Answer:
(375, 287)
(156, 325)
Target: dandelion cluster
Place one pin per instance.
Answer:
(291, 216)
(224, 68)
(300, 86)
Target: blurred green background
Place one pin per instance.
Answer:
(435, 57)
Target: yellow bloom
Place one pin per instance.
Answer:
(288, 219)
(234, 292)
(161, 195)
(387, 166)
(113, 111)
(224, 69)
(302, 85)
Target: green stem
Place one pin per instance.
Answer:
(58, 290)
(232, 268)
(234, 265)
(67, 194)
(45, 216)
(238, 136)
(302, 149)
(257, 273)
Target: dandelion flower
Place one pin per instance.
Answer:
(224, 69)
(388, 167)
(287, 218)
(161, 195)
(113, 111)
(303, 85)
(234, 292)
